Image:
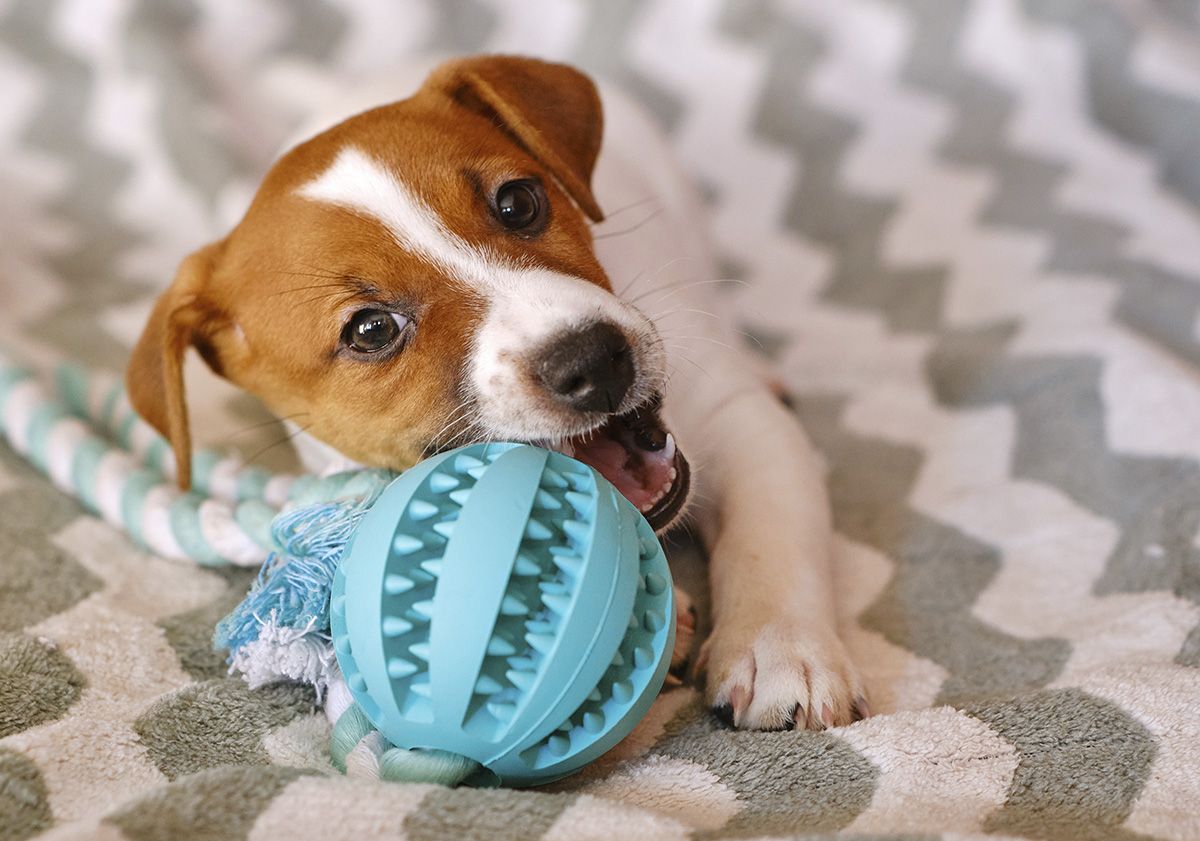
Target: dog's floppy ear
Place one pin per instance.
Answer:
(552, 110)
(154, 380)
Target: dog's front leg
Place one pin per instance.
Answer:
(773, 659)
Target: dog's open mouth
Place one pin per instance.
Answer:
(638, 455)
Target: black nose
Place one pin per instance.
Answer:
(589, 369)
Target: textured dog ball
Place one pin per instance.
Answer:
(506, 604)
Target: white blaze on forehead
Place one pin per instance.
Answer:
(356, 182)
(526, 305)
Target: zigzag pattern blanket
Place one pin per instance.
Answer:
(970, 239)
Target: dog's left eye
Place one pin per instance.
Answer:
(520, 205)
(371, 330)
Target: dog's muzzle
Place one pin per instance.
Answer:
(639, 456)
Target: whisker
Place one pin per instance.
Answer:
(453, 416)
(629, 285)
(700, 338)
(345, 295)
(751, 337)
(710, 339)
(697, 367)
(318, 271)
(609, 216)
(282, 440)
(306, 289)
(456, 415)
(655, 214)
(676, 288)
(260, 425)
(681, 308)
(469, 426)
(679, 353)
(655, 274)
(469, 422)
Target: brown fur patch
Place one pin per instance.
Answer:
(290, 274)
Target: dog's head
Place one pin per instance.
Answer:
(422, 276)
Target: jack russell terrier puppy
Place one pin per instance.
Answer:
(426, 274)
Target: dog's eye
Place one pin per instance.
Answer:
(520, 205)
(370, 330)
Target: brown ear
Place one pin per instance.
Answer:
(154, 379)
(552, 110)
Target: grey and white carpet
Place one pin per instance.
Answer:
(970, 240)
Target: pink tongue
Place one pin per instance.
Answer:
(638, 479)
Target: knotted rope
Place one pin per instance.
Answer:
(79, 429)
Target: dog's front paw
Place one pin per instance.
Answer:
(780, 676)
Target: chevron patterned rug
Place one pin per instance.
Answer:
(970, 240)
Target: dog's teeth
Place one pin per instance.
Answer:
(659, 494)
(669, 449)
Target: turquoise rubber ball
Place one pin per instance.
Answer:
(508, 604)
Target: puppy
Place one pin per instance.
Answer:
(433, 272)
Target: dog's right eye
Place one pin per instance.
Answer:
(371, 330)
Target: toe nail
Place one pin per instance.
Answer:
(796, 719)
(724, 714)
(740, 698)
(861, 710)
(827, 715)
